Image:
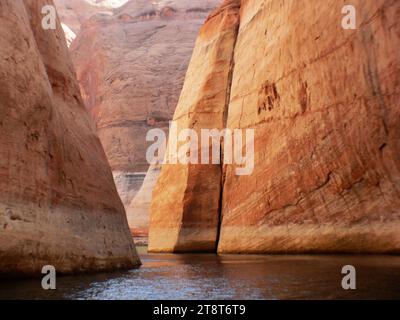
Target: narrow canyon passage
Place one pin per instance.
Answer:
(131, 62)
(319, 173)
(304, 180)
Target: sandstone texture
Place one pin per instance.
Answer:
(324, 103)
(185, 208)
(58, 202)
(131, 61)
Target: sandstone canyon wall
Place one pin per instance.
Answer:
(324, 103)
(185, 207)
(58, 202)
(131, 62)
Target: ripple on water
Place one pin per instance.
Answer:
(207, 276)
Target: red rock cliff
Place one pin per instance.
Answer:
(185, 206)
(58, 201)
(324, 103)
(131, 62)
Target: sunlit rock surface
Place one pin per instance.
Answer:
(58, 202)
(185, 206)
(324, 103)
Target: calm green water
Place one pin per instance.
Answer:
(195, 276)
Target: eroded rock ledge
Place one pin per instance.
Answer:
(324, 105)
(58, 202)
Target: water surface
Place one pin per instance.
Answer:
(207, 276)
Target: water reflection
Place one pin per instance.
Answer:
(195, 276)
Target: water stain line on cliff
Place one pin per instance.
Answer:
(225, 118)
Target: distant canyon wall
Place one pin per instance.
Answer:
(131, 63)
(58, 202)
(324, 104)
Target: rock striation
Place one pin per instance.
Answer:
(323, 102)
(131, 62)
(58, 202)
(132, 82)
(185, 207)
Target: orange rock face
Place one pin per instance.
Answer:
(327, 137)
(185, 207)
(130, 62)
(58, 203)
(323, 102)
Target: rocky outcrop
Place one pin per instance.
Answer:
(130, 62)
(185, 207)
(58, 203)
(324, 105)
